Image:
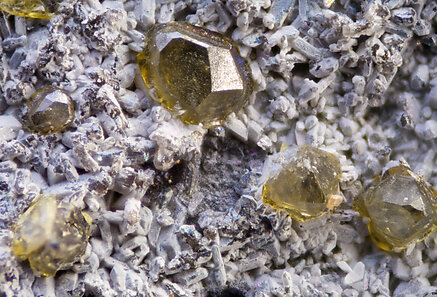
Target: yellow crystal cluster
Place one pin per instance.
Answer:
(401, 208)
(195, 72)
(51, 234)
(307, 186)
(40, 9)
(49, 110)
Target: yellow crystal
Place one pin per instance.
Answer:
(307, 186)
(40, 9)
(401, 208)
(49, 111)
(51, 234)
(194, 71)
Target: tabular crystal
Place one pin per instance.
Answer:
(307, 185)
(49, 111)
(40, 9)
(51, 234)
(195, 72)
(401, 208)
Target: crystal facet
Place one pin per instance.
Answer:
(49, 111)
(401, 208)
(51, 234)
(307, 185)
(194, 71)
(40, 9)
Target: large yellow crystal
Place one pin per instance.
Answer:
(40, 9)
(51, 234)
(194, 71)
(307, 185)
(401, 208)
(50, 110)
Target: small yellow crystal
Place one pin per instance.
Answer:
(401, 208)
(328, 3)
(49, 111)
(194, 71)
(51, 234)
(40, 9)
(307, 186)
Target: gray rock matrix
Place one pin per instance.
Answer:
(176, 208)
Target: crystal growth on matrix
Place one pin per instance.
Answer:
(195, 72)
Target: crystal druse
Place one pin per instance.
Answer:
(401, 208)
(194, 71)
(52, 234)
(49, 110)
(40, 9)
(303, 181)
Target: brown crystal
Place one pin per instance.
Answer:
(50, 110)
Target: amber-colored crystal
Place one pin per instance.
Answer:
(51, 234)
(401, 208)
(40, 9)
(307, 185)
(49, 111)
(194, 71)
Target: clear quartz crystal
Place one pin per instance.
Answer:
(307, 186)
(51, 234)
(401, 208)
(194, 71)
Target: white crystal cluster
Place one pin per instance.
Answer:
(175, 208)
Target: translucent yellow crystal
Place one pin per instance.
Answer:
(307, 186)
(194, 71)
(40, 9)
(51, 234)
(328, 3)
(49, 111)
(401, 208)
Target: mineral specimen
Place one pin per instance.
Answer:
(194, 71)
(51, 234)
(307, 186)
(40, 9)
(401, 208)
(49, 111)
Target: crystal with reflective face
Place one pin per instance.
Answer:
(195, 72)
(51, 234)
(49, 111)
(40, 9)
(401, 208)
(307, 185)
